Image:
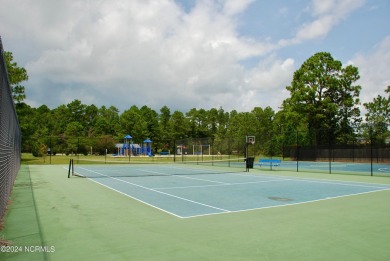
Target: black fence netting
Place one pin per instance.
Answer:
(339, 153)
(363, 145)
(364, 150)
(10, 137)
(191, 148)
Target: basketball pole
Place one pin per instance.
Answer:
(249, 161)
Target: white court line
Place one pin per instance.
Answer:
(287, 204)
(212, 181)
(343, 184)
(316, 180)
(220, 185)
(183, 177)
(167, 194)
(137, 199)
(336, 182)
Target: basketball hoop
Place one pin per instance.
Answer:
(250, 140)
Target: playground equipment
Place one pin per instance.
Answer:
(128, 148)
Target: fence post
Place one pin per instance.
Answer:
(297, 151)
(51, 149)
(330, 155)
(174, 151)
(371, 155)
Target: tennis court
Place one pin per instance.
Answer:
(354, 168)
(196, 213)
(190, 191)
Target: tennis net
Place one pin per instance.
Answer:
(107, 169)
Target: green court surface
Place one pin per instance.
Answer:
(55, 218)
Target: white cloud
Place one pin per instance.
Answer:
(266, 83)
(138, 52)
(154, 53)
(232, 7)
(322, 6)
(326, 15)
(374, 70)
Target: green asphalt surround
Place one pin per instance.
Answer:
(78, 219)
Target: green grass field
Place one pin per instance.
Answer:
(55, 218)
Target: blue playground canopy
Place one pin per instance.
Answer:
(128, 148)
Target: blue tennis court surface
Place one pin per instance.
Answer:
(200, 194)
(341, 167)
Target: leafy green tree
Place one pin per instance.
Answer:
(103, 144)
(178, 125)
(73, 132)
(25, 114)
(150, 116)
(133, 123)
(324, 96)
(77, 111)
(165, 135)
(16, 75)
(43, 118)
(199, 123)
(74, 129)
(378, 111)
(240, 126)
(212, 120)
(107, 121)
(378, 117)
(264, 129)
(286, 128)
(90, 117)
(223, 121)
(61, 118)
(221, 142)
(37, 140)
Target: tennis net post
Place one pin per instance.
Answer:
(71, 168)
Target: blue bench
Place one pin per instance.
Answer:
(164, 153)
(270, 162)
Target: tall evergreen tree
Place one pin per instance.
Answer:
(16, 75)
(324, 94)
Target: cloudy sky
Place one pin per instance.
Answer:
(234, 54)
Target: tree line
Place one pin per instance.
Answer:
(323, 108)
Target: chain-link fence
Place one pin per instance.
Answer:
(330, 150)
(365, 150)
(109, 147)
(10, 137)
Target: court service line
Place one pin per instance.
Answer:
(179, 176)
(220, 185)
(212, 181)
(154, 190)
